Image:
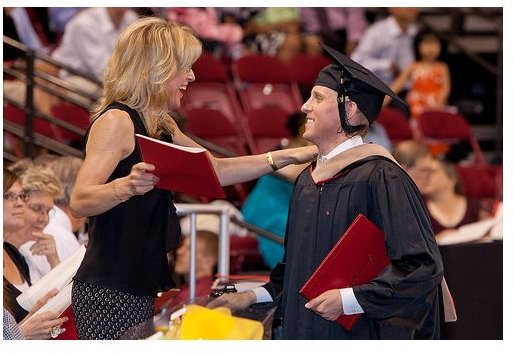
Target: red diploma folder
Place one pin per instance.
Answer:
(181, 169)
(358, 257)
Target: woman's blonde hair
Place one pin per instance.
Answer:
(41, 179)
(148, 54)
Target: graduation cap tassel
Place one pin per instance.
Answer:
(341, 102)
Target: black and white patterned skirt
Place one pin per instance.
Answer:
(102, 313)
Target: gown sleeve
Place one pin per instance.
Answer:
(408, 287)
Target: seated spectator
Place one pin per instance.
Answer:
(38, 248)
(63, 225)
(16, 272)
(87, 44)
(206, 261)
(430, 77)
(207, 232)
(386, 46)
(416, 160)
(448, 208)
(274, 31)
(20, 166)
(339, 27)
(221, 39)
(31, 25)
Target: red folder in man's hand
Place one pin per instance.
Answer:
(181, 169)
(358, 257)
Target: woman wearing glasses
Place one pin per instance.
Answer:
(16, 271)
(39, 249)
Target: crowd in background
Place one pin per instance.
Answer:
(40, 230)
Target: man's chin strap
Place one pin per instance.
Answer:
(341, 103)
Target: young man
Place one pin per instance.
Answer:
(351, 178)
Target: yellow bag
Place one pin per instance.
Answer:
(199, 322)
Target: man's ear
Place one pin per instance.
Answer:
(350, 109)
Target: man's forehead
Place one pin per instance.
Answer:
(323, 90)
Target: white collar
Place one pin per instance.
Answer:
(345, 145)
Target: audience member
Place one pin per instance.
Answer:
(16, 276)
(58, 18)
(31, 27)
(386, 46)
(38, 248)
(63, 224)
(206, 261)
(274, 31)
(20, 166)
(90, 37)
(430, 77)
(416, 160)
(221, 39)
(339, 27)
(447, 206)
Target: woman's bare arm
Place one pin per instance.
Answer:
(111, 139)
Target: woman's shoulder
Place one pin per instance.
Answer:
(114, 119)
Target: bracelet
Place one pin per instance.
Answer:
(116, 195)
(269, 158)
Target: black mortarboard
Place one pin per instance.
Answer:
(358, 84)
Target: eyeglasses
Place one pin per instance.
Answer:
(12, 197)
(41, 209)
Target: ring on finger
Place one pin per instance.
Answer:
(55, 331)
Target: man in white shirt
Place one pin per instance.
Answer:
(352, 178)
(386, 48)
(89, 39)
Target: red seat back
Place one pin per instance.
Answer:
(447, 127)
(478, 181)
(396, 124)
(305, 68)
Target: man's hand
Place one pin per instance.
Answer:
(234, 301)
(328, 305)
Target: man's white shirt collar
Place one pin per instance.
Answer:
(352, 142)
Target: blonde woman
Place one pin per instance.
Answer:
(133, 225)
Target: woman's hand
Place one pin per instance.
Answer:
(45, 246)
(40, 326)
(140, 180)
(304, 154)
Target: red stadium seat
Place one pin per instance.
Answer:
(41, 126)
(267, 128)
(268, 95)
(213, 126)
(211, 106)
(479, 181)
(441, 127)
(305, 68)
(74, 115)
(396, 124)
(264, 81)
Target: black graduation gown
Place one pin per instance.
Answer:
(403, 301)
